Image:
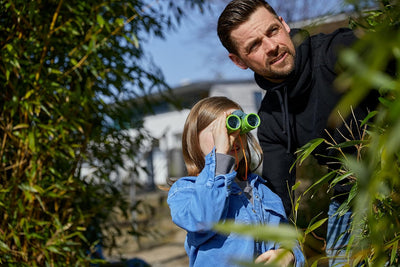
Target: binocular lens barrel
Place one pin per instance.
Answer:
(252, 119)
(233, 122)
(240, 120)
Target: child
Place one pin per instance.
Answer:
(219, 188)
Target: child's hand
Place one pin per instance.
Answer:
(222, 140)
(286, 258)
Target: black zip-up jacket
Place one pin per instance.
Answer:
(296, 111)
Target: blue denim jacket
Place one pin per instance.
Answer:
(197, 203)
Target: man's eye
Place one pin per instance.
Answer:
(253, 47)
(274, 30)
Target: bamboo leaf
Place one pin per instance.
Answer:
(321, 181)
(340, 178)
(296, 185)
(306, 150)
(315, 226)
(284, 234)
(100, 20)
(369, 116)
(394, 253)
(349, 144)
(4, 247)
(21, 126)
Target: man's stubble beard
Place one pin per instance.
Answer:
(283, 74)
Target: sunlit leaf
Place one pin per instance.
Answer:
(315, 226)
(100, 20)
(321, 181)
(369, 116)
(394, 253)
(351, 143)
(4, 247)
(20, 126)
(284, 234)
(306, 150)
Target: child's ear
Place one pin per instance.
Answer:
(238, 61)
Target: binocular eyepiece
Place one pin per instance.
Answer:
(240, 120)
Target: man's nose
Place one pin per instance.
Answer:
(270, 46)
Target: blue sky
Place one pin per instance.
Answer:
(189, 54)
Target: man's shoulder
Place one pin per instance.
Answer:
(338, 31)
(343, 36)
(325, 47)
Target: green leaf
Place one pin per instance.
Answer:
(30, 188)
(54, 71)
(4, 247)
(8, 72)
(284, 234)
(296, 185)
(369, 116)
(74, 62)
(135, 41)
(353, 193)
(20, 126)
(17, 240)
(315, 226)
(340, 178)
(315, 263)
(394, 253)
(53, 249)
(28, 94)
(100, 20)
(343, 209)
(9, 48)
(349, 144)
(119, 22)
(321, 181)
(306, 150)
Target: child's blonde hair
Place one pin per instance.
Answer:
(201, 115)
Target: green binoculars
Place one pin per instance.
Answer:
(240, 120)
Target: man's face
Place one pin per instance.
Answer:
(264, 45)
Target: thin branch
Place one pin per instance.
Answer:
(45, 48)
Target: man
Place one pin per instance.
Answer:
(297, 71)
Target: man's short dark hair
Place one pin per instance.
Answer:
(234, 14)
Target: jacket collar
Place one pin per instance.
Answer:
(252, 179)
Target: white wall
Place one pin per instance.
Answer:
(167, 127)
(243, 94)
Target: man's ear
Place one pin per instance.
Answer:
(287, 28)
(238, 62)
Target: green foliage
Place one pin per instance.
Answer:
(64, 66)
(374, 199)
(376, 202)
